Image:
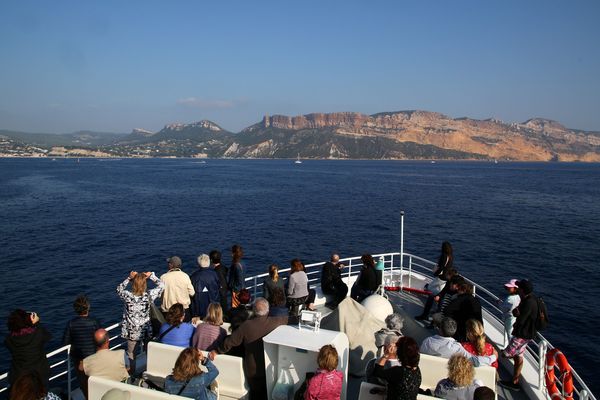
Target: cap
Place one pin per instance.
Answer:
(512, 283)
(174, 261)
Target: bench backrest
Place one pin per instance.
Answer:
(97, 387)
(434, 369)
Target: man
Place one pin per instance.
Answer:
(464, 307)
(331, 281)
(206, 287)
(178, 287)
(79, 333)
(250, 334)
(222, 272)
(105, 363)
(523, 332)
(444, 345)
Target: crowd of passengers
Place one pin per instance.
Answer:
(192, 310)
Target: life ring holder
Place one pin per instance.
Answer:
(556, 357)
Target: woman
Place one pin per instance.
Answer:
(271, 282)
(26, 341)
(441, 274)
(402, 382)
(176, 332)
(445, 261)
(188, 380)
(477, 345)
(236, 274)
(460, 384)
(366, 283)
(29, 386)
(210, 335)
(277, 306)
(326, 384)
(136, 309)
(297, 292)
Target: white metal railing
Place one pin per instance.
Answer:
(394, 264)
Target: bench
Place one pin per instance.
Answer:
(97, 387)
(434, 369)
(379, 393)
(231, 379)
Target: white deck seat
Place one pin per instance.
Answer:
(434, 369)
(97, 387)
(322, 298)
(365, 393)
(231, 379)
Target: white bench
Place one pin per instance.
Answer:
(231, 379)
(380, 394)
(434, 369)
(97, 387)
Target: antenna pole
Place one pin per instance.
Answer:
(401, 240)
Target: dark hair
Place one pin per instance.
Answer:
(367, 261)
(18, 319)
(450, 273)
(81, 305)
(236, 253)
(215, 256)
(483, 393)
(244, 296)
(407, 350)
(174, 315)
(457, 280)
(296, 265)
(29, 385)
(277, 297)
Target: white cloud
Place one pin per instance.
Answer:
(195, 102)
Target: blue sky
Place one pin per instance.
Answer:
(113, 66)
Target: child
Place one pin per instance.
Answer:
(507, 305)
(327, 382)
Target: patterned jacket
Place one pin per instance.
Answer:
(136, 309)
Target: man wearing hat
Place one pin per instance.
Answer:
(523, 332)
(178, 287)
(507, 305)
(206, 285)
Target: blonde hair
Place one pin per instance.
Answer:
(460, 370)
(476, 335)
(274, 272)
(138, 286)
(214, 314)
(187, 365)
(327, 358)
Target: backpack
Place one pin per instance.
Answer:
(542, 320)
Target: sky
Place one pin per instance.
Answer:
(112, 66)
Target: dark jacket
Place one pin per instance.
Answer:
(28, 353)
(236, 279)
(269, 286)
(206, 288)
(403, 383)
(222, 271)
(250, 334)
(79, 333)
(367, 279)
(524, 327)
(463, 308)
(331, 276)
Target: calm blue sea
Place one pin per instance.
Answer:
(68, 228)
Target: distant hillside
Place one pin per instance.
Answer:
(389, 135)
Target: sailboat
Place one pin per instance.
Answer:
(298, 161)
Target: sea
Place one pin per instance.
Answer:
(73, 226)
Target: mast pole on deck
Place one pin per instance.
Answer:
(401, 240)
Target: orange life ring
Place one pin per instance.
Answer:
(553, 357)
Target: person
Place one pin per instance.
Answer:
(206, 287)
(106, 363)
(238, 315)
(437, 295)
(331, 281)
(25, 341)
(210, 334)
(326, 384)
(510, 301)
(393, 326)
(464, 307)
(188, 379)
(297, 292)
(523, 332)
(178, 287)
(484, 393)
(390, 352)
(79, 333)
(402, 381)
(136, 309)
(445, 261)
(460, 383)
(250, 334)
(29, 386)
(237, 271)
(277, 305)
(272, 282)
(222, 271)
(175, 331)
(477, 344)
(366, 283)
(444, 345)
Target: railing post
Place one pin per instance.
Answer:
(349, 272)
(542, 349)
(69, 389)
(410, 272)
(401, 239)
(254, 287)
